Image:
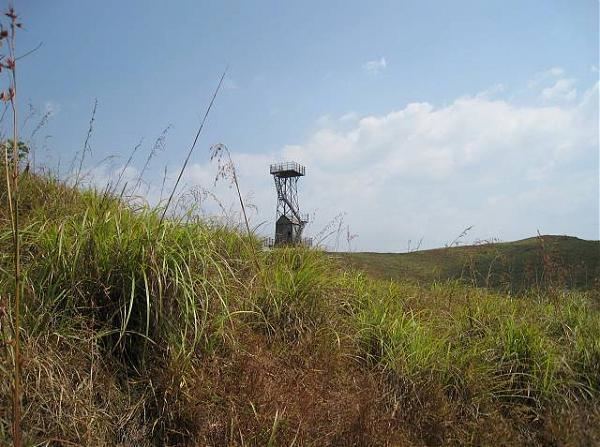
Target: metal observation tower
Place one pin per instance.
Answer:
(289, 223)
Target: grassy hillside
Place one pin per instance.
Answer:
(142, 333)
(511, 266)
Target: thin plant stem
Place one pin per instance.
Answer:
(159, 145)
(228, 170)
(13, 199)
(187, 159)
(86, 144)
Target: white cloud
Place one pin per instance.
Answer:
(108, 174)
(553, 85)
(492, 91)
(562, 90)
(350, 116)
(375, 66)
(547, 76)
(324, 120)
(430, 171)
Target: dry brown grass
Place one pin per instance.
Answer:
(263, 392)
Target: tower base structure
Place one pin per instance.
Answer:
(289, 222)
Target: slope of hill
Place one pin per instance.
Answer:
(137, 331)
(512, 266)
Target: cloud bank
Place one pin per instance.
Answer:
(426, 171)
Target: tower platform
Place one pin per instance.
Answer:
(287, 169)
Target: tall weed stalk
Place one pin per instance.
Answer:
(12, 185)
(193, 146)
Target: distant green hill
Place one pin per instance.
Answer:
(538, 261)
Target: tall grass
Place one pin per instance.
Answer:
(297, 297)
(144, 309)
(143, 288)
(513, 352)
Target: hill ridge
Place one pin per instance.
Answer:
(513, 266)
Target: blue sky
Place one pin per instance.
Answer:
(414, 118)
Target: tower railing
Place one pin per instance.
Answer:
(287, 167)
